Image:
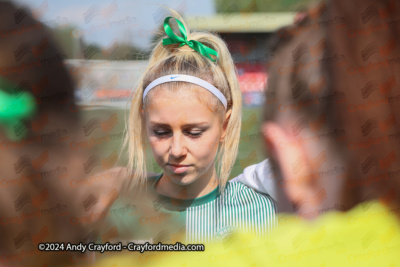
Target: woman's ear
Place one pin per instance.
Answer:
(293, 162)
(225, 125)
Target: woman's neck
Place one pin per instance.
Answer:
(200, 187)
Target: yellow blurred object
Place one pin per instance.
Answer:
(368, 235)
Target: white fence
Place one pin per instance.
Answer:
(110, 83)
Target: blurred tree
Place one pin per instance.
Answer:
(75, 48)
(125, 51)
(70, 45)
(114, 51)
(245, 6)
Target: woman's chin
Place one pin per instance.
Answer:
(182, 179)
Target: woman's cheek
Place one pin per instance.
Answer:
(159, 148)
(209, 149)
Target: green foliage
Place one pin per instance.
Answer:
(69, 45)
(76, 48)
(114, 51)
(245, 6)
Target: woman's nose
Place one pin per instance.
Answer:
(178, 147)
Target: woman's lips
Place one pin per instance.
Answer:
(179, 168)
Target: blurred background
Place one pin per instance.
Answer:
(106, 45)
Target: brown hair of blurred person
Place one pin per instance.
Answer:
(37, 201)
(331, 117)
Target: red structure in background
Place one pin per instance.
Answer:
(252, 77)
(248, 51)
(252, 81)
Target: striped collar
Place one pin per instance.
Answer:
(177, 204)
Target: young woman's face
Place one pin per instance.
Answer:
(184, 134)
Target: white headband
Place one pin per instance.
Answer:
(189, 79)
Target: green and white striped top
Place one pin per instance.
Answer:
(208, 218)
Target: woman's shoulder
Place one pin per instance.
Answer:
(260, 177)
(240, 192)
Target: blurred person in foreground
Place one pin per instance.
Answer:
(332, 129)
(46, 194)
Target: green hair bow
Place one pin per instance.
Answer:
(195, 45)
(13, 109)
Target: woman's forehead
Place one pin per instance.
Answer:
(177, 95)
(183, 106)
(178, 90)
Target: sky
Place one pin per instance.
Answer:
(105, 21)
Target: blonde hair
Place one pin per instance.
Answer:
(171, 59)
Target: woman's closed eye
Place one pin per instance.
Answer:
(195, 133)
(163, 133)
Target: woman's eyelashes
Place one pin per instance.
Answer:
(195, 133)
(161, 133)
(166, 133)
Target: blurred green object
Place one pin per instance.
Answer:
(15, 107)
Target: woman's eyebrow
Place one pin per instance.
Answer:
(159, 124)
(193, 124)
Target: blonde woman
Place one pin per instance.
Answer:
(187, 106)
